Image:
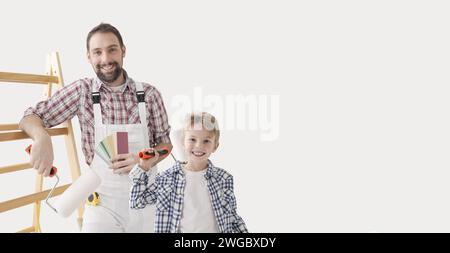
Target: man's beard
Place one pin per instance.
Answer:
(108, 78)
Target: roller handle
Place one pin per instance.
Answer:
(53, 170)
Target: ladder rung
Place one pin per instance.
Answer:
(30, 199)
(27, 230)
(15, 167)
(9, 127)
(27, 78)
(17, 135)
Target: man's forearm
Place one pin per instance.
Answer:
(33, 126)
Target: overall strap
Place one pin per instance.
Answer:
(97, 110)
(142, 110)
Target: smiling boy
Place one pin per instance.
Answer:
(190, 197)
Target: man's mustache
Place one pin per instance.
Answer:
(99, 66)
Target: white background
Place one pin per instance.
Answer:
(363, 138)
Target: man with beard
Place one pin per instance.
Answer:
(108, 103)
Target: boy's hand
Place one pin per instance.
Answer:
(147, 164)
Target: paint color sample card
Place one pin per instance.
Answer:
(122, 143)
(109, 142)
(113, 144)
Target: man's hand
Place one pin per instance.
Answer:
(123, 163)
(41, 155)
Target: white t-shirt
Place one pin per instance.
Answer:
(117, 88)
(198, 215)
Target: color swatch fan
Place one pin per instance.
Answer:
(116, 143)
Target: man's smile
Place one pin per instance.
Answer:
(108, 67)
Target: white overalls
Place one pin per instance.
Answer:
(113, 214)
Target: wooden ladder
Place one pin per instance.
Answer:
(11, 132)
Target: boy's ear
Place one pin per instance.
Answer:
(215, 148)
(181, 139)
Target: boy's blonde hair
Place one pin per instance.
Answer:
(202, 121)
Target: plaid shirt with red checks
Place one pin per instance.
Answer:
(120, 107)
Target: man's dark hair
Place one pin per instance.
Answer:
(104, 28)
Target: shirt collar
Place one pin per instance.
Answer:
(210, 170)
(99, 84)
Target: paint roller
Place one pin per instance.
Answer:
(52, 173)
(73, 196)
(77, 193)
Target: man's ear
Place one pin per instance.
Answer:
(124, 49)
(88, 56)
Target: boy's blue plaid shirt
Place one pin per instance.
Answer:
(167, 192)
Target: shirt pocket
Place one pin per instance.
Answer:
(133, 113)
(164, 197)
